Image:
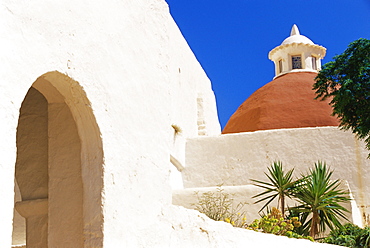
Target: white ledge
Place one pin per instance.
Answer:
(176, 163)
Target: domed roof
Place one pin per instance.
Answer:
(296, 37)
(286, 102)
(307, 54)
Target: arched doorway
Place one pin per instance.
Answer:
(59, 165)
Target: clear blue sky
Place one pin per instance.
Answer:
(232, 38)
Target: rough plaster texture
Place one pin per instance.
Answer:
(234, 159)
(64, 214)
(136, 76)
(189, 198)
(65, 217)
(32, 147)
(19, 223)
(196, 230)
(35, 212)
(116, 75)
(31, 168)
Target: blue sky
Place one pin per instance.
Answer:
(232, 38)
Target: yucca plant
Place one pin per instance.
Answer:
(280, 186)
(304, 228)
(320, 198)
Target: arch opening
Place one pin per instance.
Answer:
(59, 165)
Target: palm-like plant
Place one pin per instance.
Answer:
(320, 198)
(281, 185)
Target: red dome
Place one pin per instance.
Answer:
(286, 102)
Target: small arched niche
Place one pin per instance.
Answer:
(59, 165)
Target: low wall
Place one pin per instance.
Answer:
(234, 159)
(189, 228)
(189, 198)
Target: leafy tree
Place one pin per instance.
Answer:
(281, 185)
(320, 200)
(347, 81)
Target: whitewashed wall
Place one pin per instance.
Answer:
(189, 198)
(139, 76)
(234, 159)
(134, 75)
(243, 194)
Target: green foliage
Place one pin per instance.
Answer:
(320, 200)
(219, 206)
(275, 223)
(281, 185)
(304, 228)
(349, 235)
(346, 80)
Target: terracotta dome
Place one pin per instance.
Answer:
(286, 102)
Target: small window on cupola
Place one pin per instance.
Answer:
(296, 62)
(280, 66)
(314, 63)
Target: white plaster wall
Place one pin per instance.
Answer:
(188, 228)
(122, 54)
(234, 159)
(188, 82)
(189, 198)
(188, 85)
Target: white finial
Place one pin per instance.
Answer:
(295, 30)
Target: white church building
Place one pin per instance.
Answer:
(105, 111)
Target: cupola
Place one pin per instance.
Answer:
(297, 53)
(288, 101)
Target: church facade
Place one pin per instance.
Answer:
(102, 103)
(281, 121)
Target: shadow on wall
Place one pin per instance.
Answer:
(59, 166)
